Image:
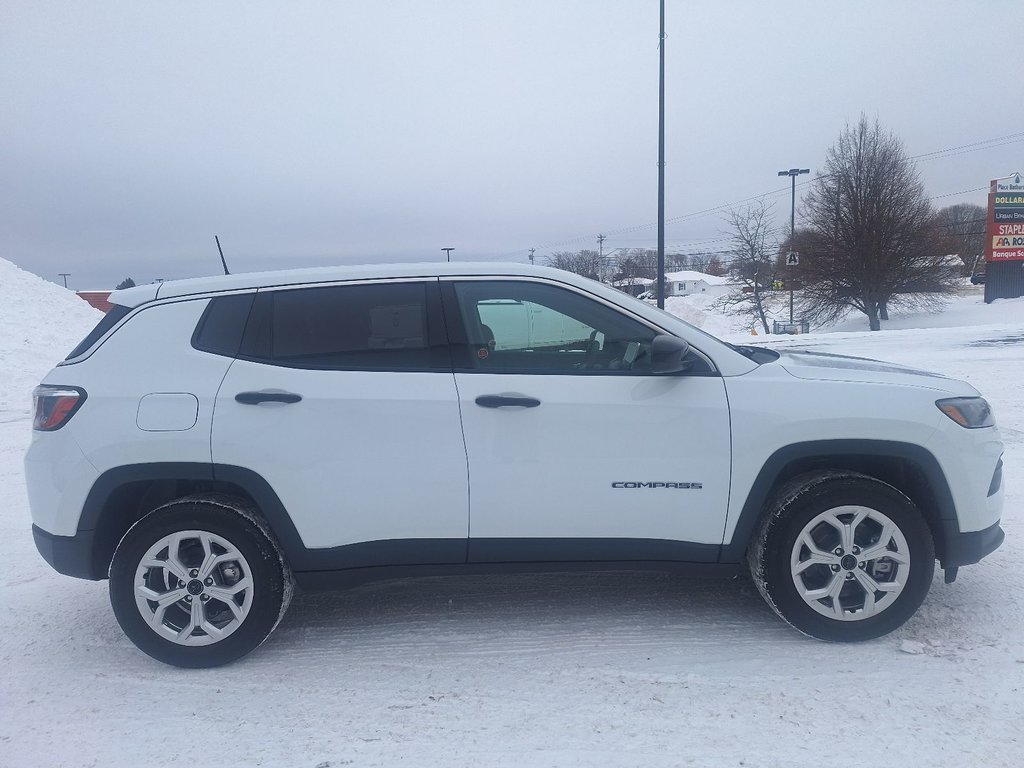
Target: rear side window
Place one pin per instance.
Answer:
(382, 326)
(221, 327)
(112, 318)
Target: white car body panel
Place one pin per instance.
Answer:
(547, 471)
(365, 456)
(152, 347)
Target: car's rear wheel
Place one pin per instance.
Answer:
(199, 582)
(843, 556)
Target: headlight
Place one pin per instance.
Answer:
(970, 412)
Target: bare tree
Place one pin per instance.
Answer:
(638, 262)
(754, 237)
(708, 263)
(676, 261)
(873, 242)
(962, 231)
(586, 262)
(715, 266)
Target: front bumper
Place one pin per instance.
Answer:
(70, 555)
(968, 548)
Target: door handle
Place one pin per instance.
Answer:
(267, 396)
(507, 401)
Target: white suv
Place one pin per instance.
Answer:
(215, 440)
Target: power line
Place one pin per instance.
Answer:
(1019, 136)
(961, 192)
(1010, 138)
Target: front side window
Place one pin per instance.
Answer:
(519, 326)
(381, 326)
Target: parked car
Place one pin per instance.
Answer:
(214, 441)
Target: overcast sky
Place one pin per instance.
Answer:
(306, 133)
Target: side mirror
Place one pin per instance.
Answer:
(668, 354)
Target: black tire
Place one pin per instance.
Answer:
(231, 521)
(795, 506)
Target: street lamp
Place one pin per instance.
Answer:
(448, 252)
(792, 173)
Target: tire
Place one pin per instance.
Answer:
(824, 584)
(177, 609)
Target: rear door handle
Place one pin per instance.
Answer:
(507, 401)
(267, 396)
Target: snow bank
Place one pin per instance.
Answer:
(704, 312)
(967, 310)
(40, 322)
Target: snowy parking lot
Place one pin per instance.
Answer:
(613, 669)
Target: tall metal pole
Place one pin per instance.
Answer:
(65, 275)
(661, 161)
(448, 251)
(792, 238)
(792, 173)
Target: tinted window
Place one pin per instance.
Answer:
(220, 328)
(368, 327)
(532, 327)
(112, 318)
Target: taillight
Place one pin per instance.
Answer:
(54, 406)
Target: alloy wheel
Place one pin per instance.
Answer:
(850, 563)
(193, 587)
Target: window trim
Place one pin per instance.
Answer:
(459, 338)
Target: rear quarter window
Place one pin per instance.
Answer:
(109, 320)
(220, 329)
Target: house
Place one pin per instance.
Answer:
(687, 283)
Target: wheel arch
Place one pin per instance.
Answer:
(909, 468)
(121, 496)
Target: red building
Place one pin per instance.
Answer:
(97, 299)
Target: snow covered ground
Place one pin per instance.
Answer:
(570, 670)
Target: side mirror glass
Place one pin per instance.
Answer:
(668, 354)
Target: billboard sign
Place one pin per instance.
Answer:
(1005, 226)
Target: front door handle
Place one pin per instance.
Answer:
(507, 401)
(267, 396)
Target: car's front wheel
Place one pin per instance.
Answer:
(198, 582)
(842, 556)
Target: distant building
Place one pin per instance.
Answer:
(687, 283)
(97, 299)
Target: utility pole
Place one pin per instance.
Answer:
(661, 161)
(65, 275)
(791, 258)
(531, 256)
(600, 256)
(448, 251)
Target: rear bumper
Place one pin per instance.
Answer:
(969, 548)
(70, 555)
